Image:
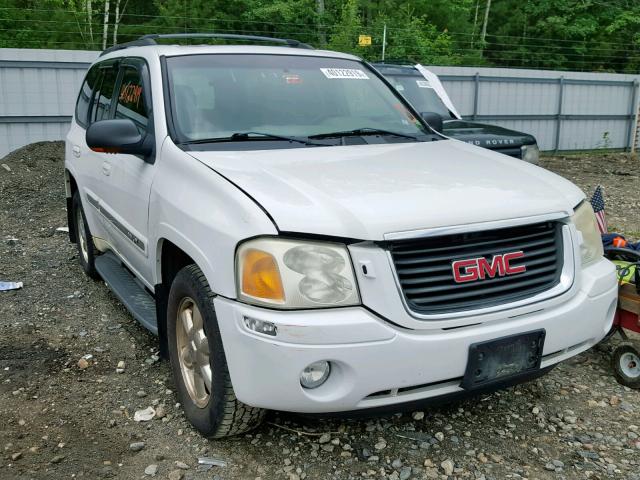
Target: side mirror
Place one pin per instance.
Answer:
(433, 119)
(117, 136)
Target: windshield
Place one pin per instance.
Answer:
(416, 89)
(217, 96)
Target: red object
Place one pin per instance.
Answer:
(479, 268)
(619, 242)
(627, 320)
(292, 79)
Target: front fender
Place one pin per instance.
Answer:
(203, 214)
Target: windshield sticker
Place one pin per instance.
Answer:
(344, 73)
(423, 84)
(400, 88)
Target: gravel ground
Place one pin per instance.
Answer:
(64, 416)
(619, 174)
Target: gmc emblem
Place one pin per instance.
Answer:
(480, 268)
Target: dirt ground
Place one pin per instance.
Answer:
(62, 421)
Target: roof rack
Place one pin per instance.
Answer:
(152, 40)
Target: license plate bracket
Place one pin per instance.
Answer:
(503, 359)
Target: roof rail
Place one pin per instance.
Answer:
(135, 43)
(151, 39)
(400, 62)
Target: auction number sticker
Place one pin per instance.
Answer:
(423, 84)
(345, 73)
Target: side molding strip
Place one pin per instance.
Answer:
(126, 232)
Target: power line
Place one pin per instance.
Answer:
(489, 48)
(269, 22)
(126, 30)
(497, 46)
(508, 64)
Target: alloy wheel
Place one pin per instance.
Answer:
(193, 352)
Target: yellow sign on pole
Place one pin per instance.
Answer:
(364, 40)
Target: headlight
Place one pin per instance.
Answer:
(295, 274)
(585, 221)
(531, 153)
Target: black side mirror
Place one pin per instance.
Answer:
(433, 119)
(117, 136)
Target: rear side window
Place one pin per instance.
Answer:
(131, 98)
(101, 107)
(84, 98)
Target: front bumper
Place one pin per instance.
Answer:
(375, 364)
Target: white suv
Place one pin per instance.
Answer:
(300, 239)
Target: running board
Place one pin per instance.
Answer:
(134, 297)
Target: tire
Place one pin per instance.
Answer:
(193, 336)
(626, 365)
(84, 241)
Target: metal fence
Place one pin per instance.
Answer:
(563, 110)
(38, 90)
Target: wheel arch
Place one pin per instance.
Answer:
(172, 254)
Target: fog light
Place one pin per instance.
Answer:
(260, 326)
(315, 374)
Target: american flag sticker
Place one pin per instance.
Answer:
(597, 202)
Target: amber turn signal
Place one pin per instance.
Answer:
(261, 276)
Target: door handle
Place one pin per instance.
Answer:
(106, 168)
(76, 151)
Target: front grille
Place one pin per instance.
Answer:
(515, 152)
(425, 274)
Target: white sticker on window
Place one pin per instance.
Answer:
(345, 73)
(423, 84)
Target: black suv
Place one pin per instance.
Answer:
(415, 88)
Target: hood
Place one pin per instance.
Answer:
(487, 136)
(366, 191)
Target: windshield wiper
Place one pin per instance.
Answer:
(363, 131)
(245, 136)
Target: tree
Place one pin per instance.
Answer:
(322, 34)
(89, 8)
(411, 37)
(485, 22)
(347, 29)
(117, 18)
(105, 24)
(551, 34)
